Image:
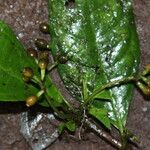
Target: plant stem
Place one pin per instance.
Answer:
(42, 74)
(124, 143)
(40, 93)
(61, 115)
(38, 81)
(106, 86)
(51, 67)
(103, 134)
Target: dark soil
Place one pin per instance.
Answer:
(24, 17)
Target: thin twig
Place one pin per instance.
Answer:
(103, 134)
(82, 123)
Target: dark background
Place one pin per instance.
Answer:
(24, 17)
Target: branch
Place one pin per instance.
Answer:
(103, 134)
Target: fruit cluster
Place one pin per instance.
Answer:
(41, 57)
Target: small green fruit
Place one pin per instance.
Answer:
(45, 28)
(43, 63)
(32, 52)
(32, 100)
(27, 72)
(42, 44)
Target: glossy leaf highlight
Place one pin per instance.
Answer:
(101, 40)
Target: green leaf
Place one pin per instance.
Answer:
(54, 94)
(70, 125)
(61, 127)
(85, 89)
(13, 59)
(102, 115)
(101, 40)
(104, 95)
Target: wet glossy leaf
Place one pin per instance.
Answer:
(54, 94)
(13, 60)
(101, 115)
(100, 38)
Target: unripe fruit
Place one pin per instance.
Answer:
(43, 63)
(42, 44)
(62, 59)
(32, 52)
(43, 54)
(32, 100)
(27, 72)
(44, 27)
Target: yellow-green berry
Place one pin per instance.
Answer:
(32, 100)
(43, 63)
(28, 72)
